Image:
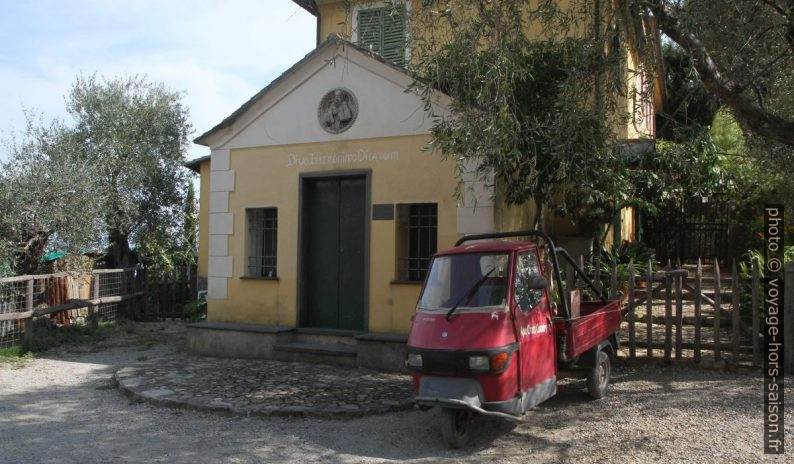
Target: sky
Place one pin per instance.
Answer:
(219, 53)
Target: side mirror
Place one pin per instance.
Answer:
(537, 282)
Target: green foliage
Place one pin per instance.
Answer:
(196, 310)
(164, 252)
(675, 172)
(688, 107)
(623, 254)
(114, 176)
(46, 338)
(750, 43)
(745, 265)
(188, 240)
(755, 176)
(743, 51)
(14, 354)
(49, 198)
(136, 134)
(537, 117)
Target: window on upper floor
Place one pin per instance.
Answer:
(383, 30)
(262, 229)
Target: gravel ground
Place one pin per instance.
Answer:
(60, 407)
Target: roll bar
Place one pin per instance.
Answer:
(554, 262)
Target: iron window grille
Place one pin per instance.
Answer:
(262, 230)
(418, 240)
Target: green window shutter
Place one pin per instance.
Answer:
(382, 30)
(370, 29)
(394, 35)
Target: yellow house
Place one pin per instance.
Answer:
(320, 208)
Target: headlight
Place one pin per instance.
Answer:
(414, 360)
(479, 363)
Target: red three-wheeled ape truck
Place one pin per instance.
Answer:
(487, 337)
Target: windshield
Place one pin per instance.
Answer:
(452, 277)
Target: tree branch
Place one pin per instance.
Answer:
(757, 119)
(776, 7)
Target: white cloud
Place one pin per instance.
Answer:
(219, 53)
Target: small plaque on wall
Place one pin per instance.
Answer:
(383, 212)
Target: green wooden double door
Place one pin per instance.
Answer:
(333, 258)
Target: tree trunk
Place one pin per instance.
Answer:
(29, 253)
(750, 113)
(537, 224)
(119, 254)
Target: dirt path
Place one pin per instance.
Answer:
(60, 408)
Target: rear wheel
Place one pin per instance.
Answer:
(598, 376)
(456, 426)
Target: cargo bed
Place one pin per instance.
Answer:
(597, 321)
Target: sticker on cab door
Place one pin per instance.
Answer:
(534, 329)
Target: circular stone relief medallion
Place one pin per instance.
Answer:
(338, 110)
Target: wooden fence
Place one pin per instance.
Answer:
(102, 294)
(165, 298)
(695, 312)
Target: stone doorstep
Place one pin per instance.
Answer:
(241, 327)
(318, 348)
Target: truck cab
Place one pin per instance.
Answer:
(486, 332)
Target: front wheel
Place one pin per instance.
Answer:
(598, 376)
(456, 426)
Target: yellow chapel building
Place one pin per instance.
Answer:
(320, 206)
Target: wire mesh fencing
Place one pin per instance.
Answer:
(18, 297)
(64, 298)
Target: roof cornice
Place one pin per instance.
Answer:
(309, 6)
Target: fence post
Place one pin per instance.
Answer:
(788, 318)
(679, 314)
(668, 314)
(146, 288)
(93, 314)
(28, 341)
(597, 265)
(649, 310)
(717, 308)
(756, 314)
(193, 283)
(632, 337)
(735, 313)
(613, 281)
(698, 317)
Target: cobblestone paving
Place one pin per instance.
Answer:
(259, 387)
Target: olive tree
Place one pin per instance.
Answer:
(743, 52)
(539, 113)
(135, 133)
(49, 198)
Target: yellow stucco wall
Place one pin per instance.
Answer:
(336, 17)
(265, 177)
(628, 229)
(204, 216)
(333, 19)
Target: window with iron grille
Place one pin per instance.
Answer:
(383, 30)
(417, 237)
(262, 228)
